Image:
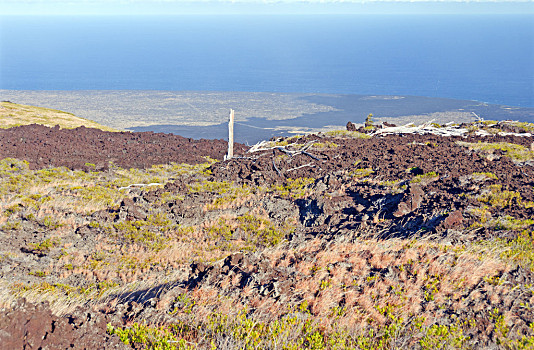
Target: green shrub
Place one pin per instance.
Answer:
(149, 233)
(361, 173)
(293, 188)
(425, 177)
(248, 232)
(348, 134)
(295, 330)
(519, 250)
(46, 245)
(516, 152)
(485, 175)
(495, 196)
(156, 338)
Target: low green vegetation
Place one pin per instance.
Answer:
(516, 152)
(517, 251)
(298, 330)
(496, 127)
(510, 223)
(11, 226)
(484, 218)
(152, 233)
(38, 273)
(28, 194)
(300, 327)
(324, 145)
(158, 173)
(292, 188)
(45, 246)
(489, 128)
(358, 174)
(425, 178)
(484, 176)
(395, 186)
(278, 143)
(495, 196)
(247, 232)
(348, 134)
(527, 127)
(226, 192)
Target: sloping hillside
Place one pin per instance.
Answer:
(12, 114)
(377, 238)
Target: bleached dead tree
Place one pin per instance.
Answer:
(230, 153)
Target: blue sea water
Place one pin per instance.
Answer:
(488, 58)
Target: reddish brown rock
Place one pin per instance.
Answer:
(454, 219)
(351, 126)
(33, 326)
(93, 149)
(411, 201)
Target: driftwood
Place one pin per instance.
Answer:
(446, 130)
(426, 128)
(300, 167)
(485, 133)
(310, 155)
(266, 146)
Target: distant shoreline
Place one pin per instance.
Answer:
(259, 115)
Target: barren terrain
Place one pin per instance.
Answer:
(377, 238)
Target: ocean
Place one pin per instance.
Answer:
(487, 58)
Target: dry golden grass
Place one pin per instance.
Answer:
(12, 114)
(337, 287)
(435, 276)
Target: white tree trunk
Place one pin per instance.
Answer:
(230, 153)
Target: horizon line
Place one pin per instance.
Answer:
(389, 7)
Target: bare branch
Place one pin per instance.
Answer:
(300, 167)
(277, 170)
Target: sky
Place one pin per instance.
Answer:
(213, 7)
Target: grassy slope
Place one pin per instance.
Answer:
(12, 114)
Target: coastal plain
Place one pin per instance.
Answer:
(259, 115)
